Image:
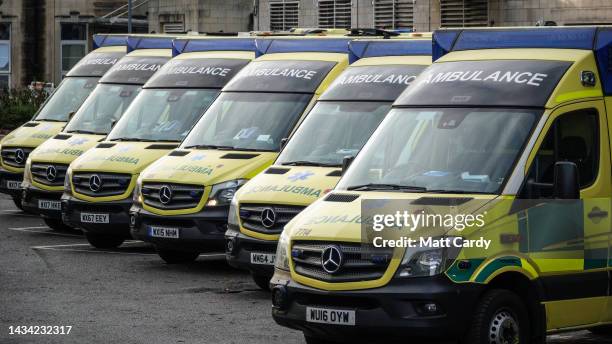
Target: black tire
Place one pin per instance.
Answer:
(263, 282)
(499, 313)
(177, 257)
(100, 241)
(604, 331)
(17, 201)
(58, 225)
(315, 340)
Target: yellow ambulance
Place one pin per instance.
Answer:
(55, 112)
(182, 200)
(310, 164)
(478, 211)
(45, 170)
(99, 184)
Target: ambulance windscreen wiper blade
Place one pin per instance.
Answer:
(210, 147)
(79, 131)
(132, 139)
(386, 187)
(308, 163)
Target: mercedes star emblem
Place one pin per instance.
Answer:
(95, 183)
(268, 218)
(165, 194)
(19, 156)
(331, 259)
(51, 173)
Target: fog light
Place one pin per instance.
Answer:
(279, 297)
(230, 245)
(429, 308)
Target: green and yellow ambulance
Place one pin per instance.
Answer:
(45, 170)
(478, 211)
(182, 200)
(100, 183)
(310, 164)
(56, 111)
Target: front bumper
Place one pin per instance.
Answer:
(118, 213)
(5, 178)
(394, 311)
(238, 254)
(198, 232)
(30, 197)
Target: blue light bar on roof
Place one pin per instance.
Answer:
(143, 42)
(108, 40)
(313, 45)
(185, 45)
(537, 37)
(366, 48)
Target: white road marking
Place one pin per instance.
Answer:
(34, 230)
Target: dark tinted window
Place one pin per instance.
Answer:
(74, 32)
(573, 137)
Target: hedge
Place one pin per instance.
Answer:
(17, 106)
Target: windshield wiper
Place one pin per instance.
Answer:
(49, 120)
(210, 147)
(135, 139)
(388, 187)
(455, 191)
(309, 163)
(79, 131)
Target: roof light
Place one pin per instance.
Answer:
(108, 40)
(318, 45)
(184, 45)
(442, 42)
(372, 48)
(144, 42)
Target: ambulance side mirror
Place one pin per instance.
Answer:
(71, 114)
(113, 123)
(566, 183)
(346, 162)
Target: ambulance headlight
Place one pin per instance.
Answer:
(282, 254)
(425, 261)
(27, 174)
(67, 181)
(137, 194)
(232, 218)
(223, 193)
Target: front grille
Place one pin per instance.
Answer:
(181, 196)
(360, 262)
(49, 173)
(15, 156)
(251, 216)
(111, 184)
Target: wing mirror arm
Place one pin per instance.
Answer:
(346, 162)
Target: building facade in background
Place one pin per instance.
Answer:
(40, 40)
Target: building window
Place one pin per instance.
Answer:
(394, 14)
(73, 44)
(464, 13)
(173, 27)
(284, 15)
(5, 55)
(335, 14)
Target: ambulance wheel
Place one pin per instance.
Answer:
(263, 282)
(315, 340)
(605, 330)
(500, 317)
(100, 241)
(177, 257)
(17, 201)
(58, 225)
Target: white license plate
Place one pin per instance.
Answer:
(262, 258)
(50, 205)
(163, 232)
(13, 184)
(94, 218)
(330, 316)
